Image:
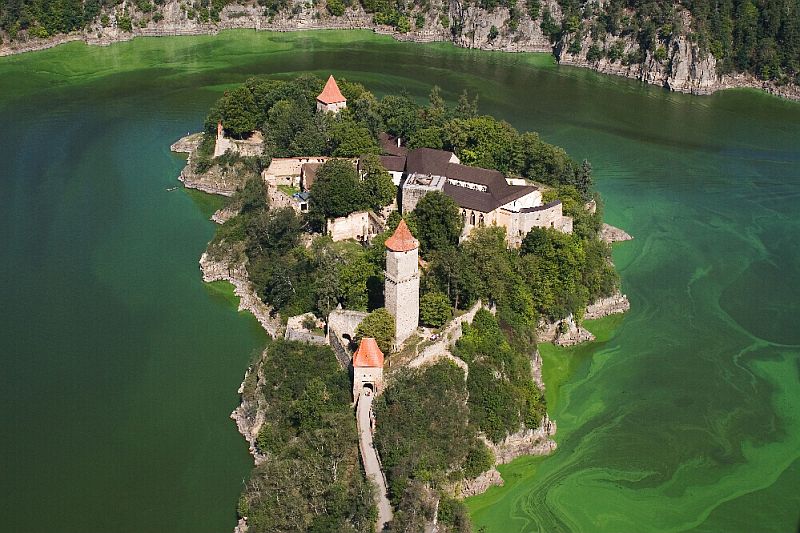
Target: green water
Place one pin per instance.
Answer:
(119, 367)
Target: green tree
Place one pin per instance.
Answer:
(380, 325)
(438, 222)
(237, 110)
(350, 139)
(336, 191)
(434, 309)
(377, 185)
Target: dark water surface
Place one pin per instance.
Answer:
(119, 367)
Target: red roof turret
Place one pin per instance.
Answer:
(368, 354)
(402, 240)
(331, 93)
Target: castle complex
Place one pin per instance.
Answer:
(485, 197)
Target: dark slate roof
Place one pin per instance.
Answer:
(470, 199)
(493, 179)
(394, 163)
(428, 161)
(498, 193)
(389, 145)
(309, 174)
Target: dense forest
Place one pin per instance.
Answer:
(431, 419)
(761, 37)
(757, 36)
(310, 478)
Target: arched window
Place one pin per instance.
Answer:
(481, 221)
(464, 215)
(472, 219)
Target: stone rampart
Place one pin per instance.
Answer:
(342, 325)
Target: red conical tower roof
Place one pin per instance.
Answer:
(402, 240)
(368, 354)
(331, 93)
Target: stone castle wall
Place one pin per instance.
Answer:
(360, 226)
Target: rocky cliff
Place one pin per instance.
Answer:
(681, 67)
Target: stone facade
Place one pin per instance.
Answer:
(253, 146)
(342, 325)
(415, 187)
(360, 226)
(401, 291)
(289, 169)
(367, 376)
(550, 215)
(334, 107)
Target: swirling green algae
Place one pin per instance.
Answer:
(715, 465)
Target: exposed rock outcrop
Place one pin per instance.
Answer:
(614, 304)
(611, 234)
(480, 484)
(233, 270)
(527, 442)
(564, 332)
(684, 68)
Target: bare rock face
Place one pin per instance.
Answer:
(565, 332)
(614, 304)
(234, 271)
(480, 484)
(611, 234)
(477, 23)
(690, 70)
(526, 442)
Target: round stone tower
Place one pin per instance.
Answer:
(401, 290)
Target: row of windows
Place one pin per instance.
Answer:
(481, 220)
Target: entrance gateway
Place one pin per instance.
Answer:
(367, 368)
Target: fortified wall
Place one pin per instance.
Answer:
(342, 325)
(361, 226)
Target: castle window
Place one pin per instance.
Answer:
(472, 219)
(464, 214)
(481, 221)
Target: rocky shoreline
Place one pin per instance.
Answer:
(686, 70)
(233, 271)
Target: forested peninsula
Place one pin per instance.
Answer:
(315, 236)
(696, 47)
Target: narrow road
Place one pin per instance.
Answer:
(369, 456)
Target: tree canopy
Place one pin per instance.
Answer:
(380, 325)
(437, 221)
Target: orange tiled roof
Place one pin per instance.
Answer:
(368, 354)
(402, 240)
(331, 93)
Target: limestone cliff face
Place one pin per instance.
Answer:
(476, 25)
(685, 68)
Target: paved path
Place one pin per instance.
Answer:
(369, 456)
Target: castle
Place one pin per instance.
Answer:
(485, 197)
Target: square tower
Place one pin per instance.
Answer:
(401, 289)
(367, 368)
(331, 98)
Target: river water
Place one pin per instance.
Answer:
(119, 367)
